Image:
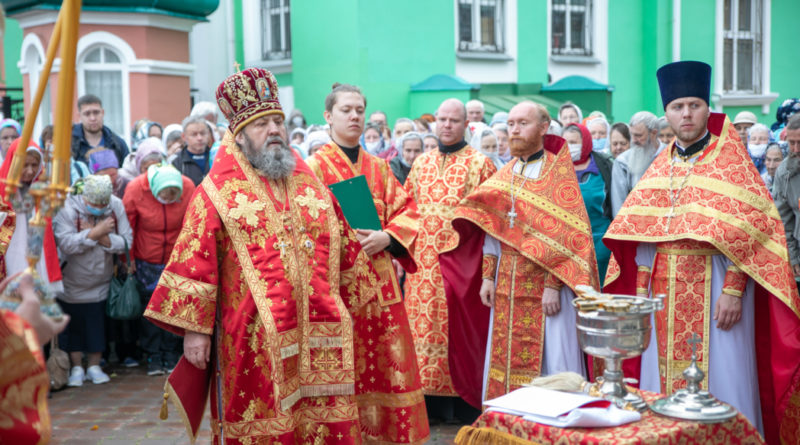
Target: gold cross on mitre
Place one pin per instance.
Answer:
(236, 67)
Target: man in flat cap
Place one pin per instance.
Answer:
(277, 303)
(701, 229)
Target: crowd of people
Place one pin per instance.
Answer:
(246, 263)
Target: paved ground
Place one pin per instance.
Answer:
(125, 412)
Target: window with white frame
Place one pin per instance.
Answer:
(480, 26)
(101, 71)
(276, 41)
(34, 65)
(742, 46)
(571, 27)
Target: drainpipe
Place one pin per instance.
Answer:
(676, 30)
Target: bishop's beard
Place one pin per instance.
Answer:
(274, 163)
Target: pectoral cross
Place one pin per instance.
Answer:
(694, 341)
(282, 245)
(512, 215)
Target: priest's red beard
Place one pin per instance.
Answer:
(520, 147)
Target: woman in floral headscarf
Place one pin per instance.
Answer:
(90, 229)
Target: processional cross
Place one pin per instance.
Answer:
(694, 341)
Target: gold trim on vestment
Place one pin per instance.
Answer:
(391, 400)
(540, 203)
(178, 322)
(701, 252)
(722, 249)
(753, 232)
(717, 186)
(189, 286)
(674, 368)
(538, 235)
(257, 287)
(340, 412)
(292, 265)
(510, 321)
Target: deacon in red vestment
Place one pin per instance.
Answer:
(344, 159)
(279, 306)
(438, 181)
(537, 249)
(701, 229)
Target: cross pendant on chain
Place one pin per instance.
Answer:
(512, 215)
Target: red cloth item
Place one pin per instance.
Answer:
(188, 388)
(155, 226)
(50, 250)
(586, 141)
(497, 427)
(467, 316)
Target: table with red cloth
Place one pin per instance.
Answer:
(499, 428)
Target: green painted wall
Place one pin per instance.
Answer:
(370, 44)
(238, 34)
(12, 42)
(531, 42)
(384, 47)
(639, 41)
(428, 101)
(623, 45)
(785, 57)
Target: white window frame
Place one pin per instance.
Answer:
(764, 97)
(31, 62)
(588, 44)
(267, 45)
(475, 45)
(126, 56)
(755, 36)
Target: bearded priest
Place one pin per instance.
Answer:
(537, 248)
(276, 300)
(700, 228)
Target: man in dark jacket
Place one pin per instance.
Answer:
(194, 160)
(91, 132)
(786, 193)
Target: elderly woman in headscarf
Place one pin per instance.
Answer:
(48, 265)
(9, 130)
(155, 203)
(172, 140)
(484, 140)
(569, 113)
(315, 140)
(599, 129)
(90, 230)
(296, 139)
(594, 177)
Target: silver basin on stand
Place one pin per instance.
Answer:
(615, 333)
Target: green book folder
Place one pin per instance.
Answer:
(356, 201)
